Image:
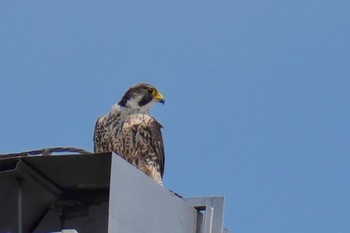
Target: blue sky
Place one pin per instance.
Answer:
(257, 95)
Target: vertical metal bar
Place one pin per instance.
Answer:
(19, 207)
(208, 222)
(217, 203)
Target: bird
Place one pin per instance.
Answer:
(132, 133)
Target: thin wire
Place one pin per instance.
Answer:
(46, 151)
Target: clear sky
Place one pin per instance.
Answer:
(257, 96)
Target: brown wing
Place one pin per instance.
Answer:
(143, 142)
(158, 144)
(98, 132)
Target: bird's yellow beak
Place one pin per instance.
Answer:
(157, 96)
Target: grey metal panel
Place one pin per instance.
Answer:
(217, 203)
(20, 215)
(43, 180)
(78, 192)
(138, 204)
(79, 172)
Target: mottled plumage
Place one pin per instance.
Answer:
(129, 131)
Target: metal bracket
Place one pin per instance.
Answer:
(206, 225)
(212, 221)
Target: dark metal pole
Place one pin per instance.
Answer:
(20, 207)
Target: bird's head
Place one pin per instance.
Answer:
(141, 97)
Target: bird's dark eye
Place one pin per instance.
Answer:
(150, 90)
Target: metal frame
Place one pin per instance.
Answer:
(212, 221)
(71, 192)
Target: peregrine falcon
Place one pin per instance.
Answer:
(129, 131)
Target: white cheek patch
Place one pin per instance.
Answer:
(133, 105)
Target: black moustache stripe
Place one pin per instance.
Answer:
(145, 100)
